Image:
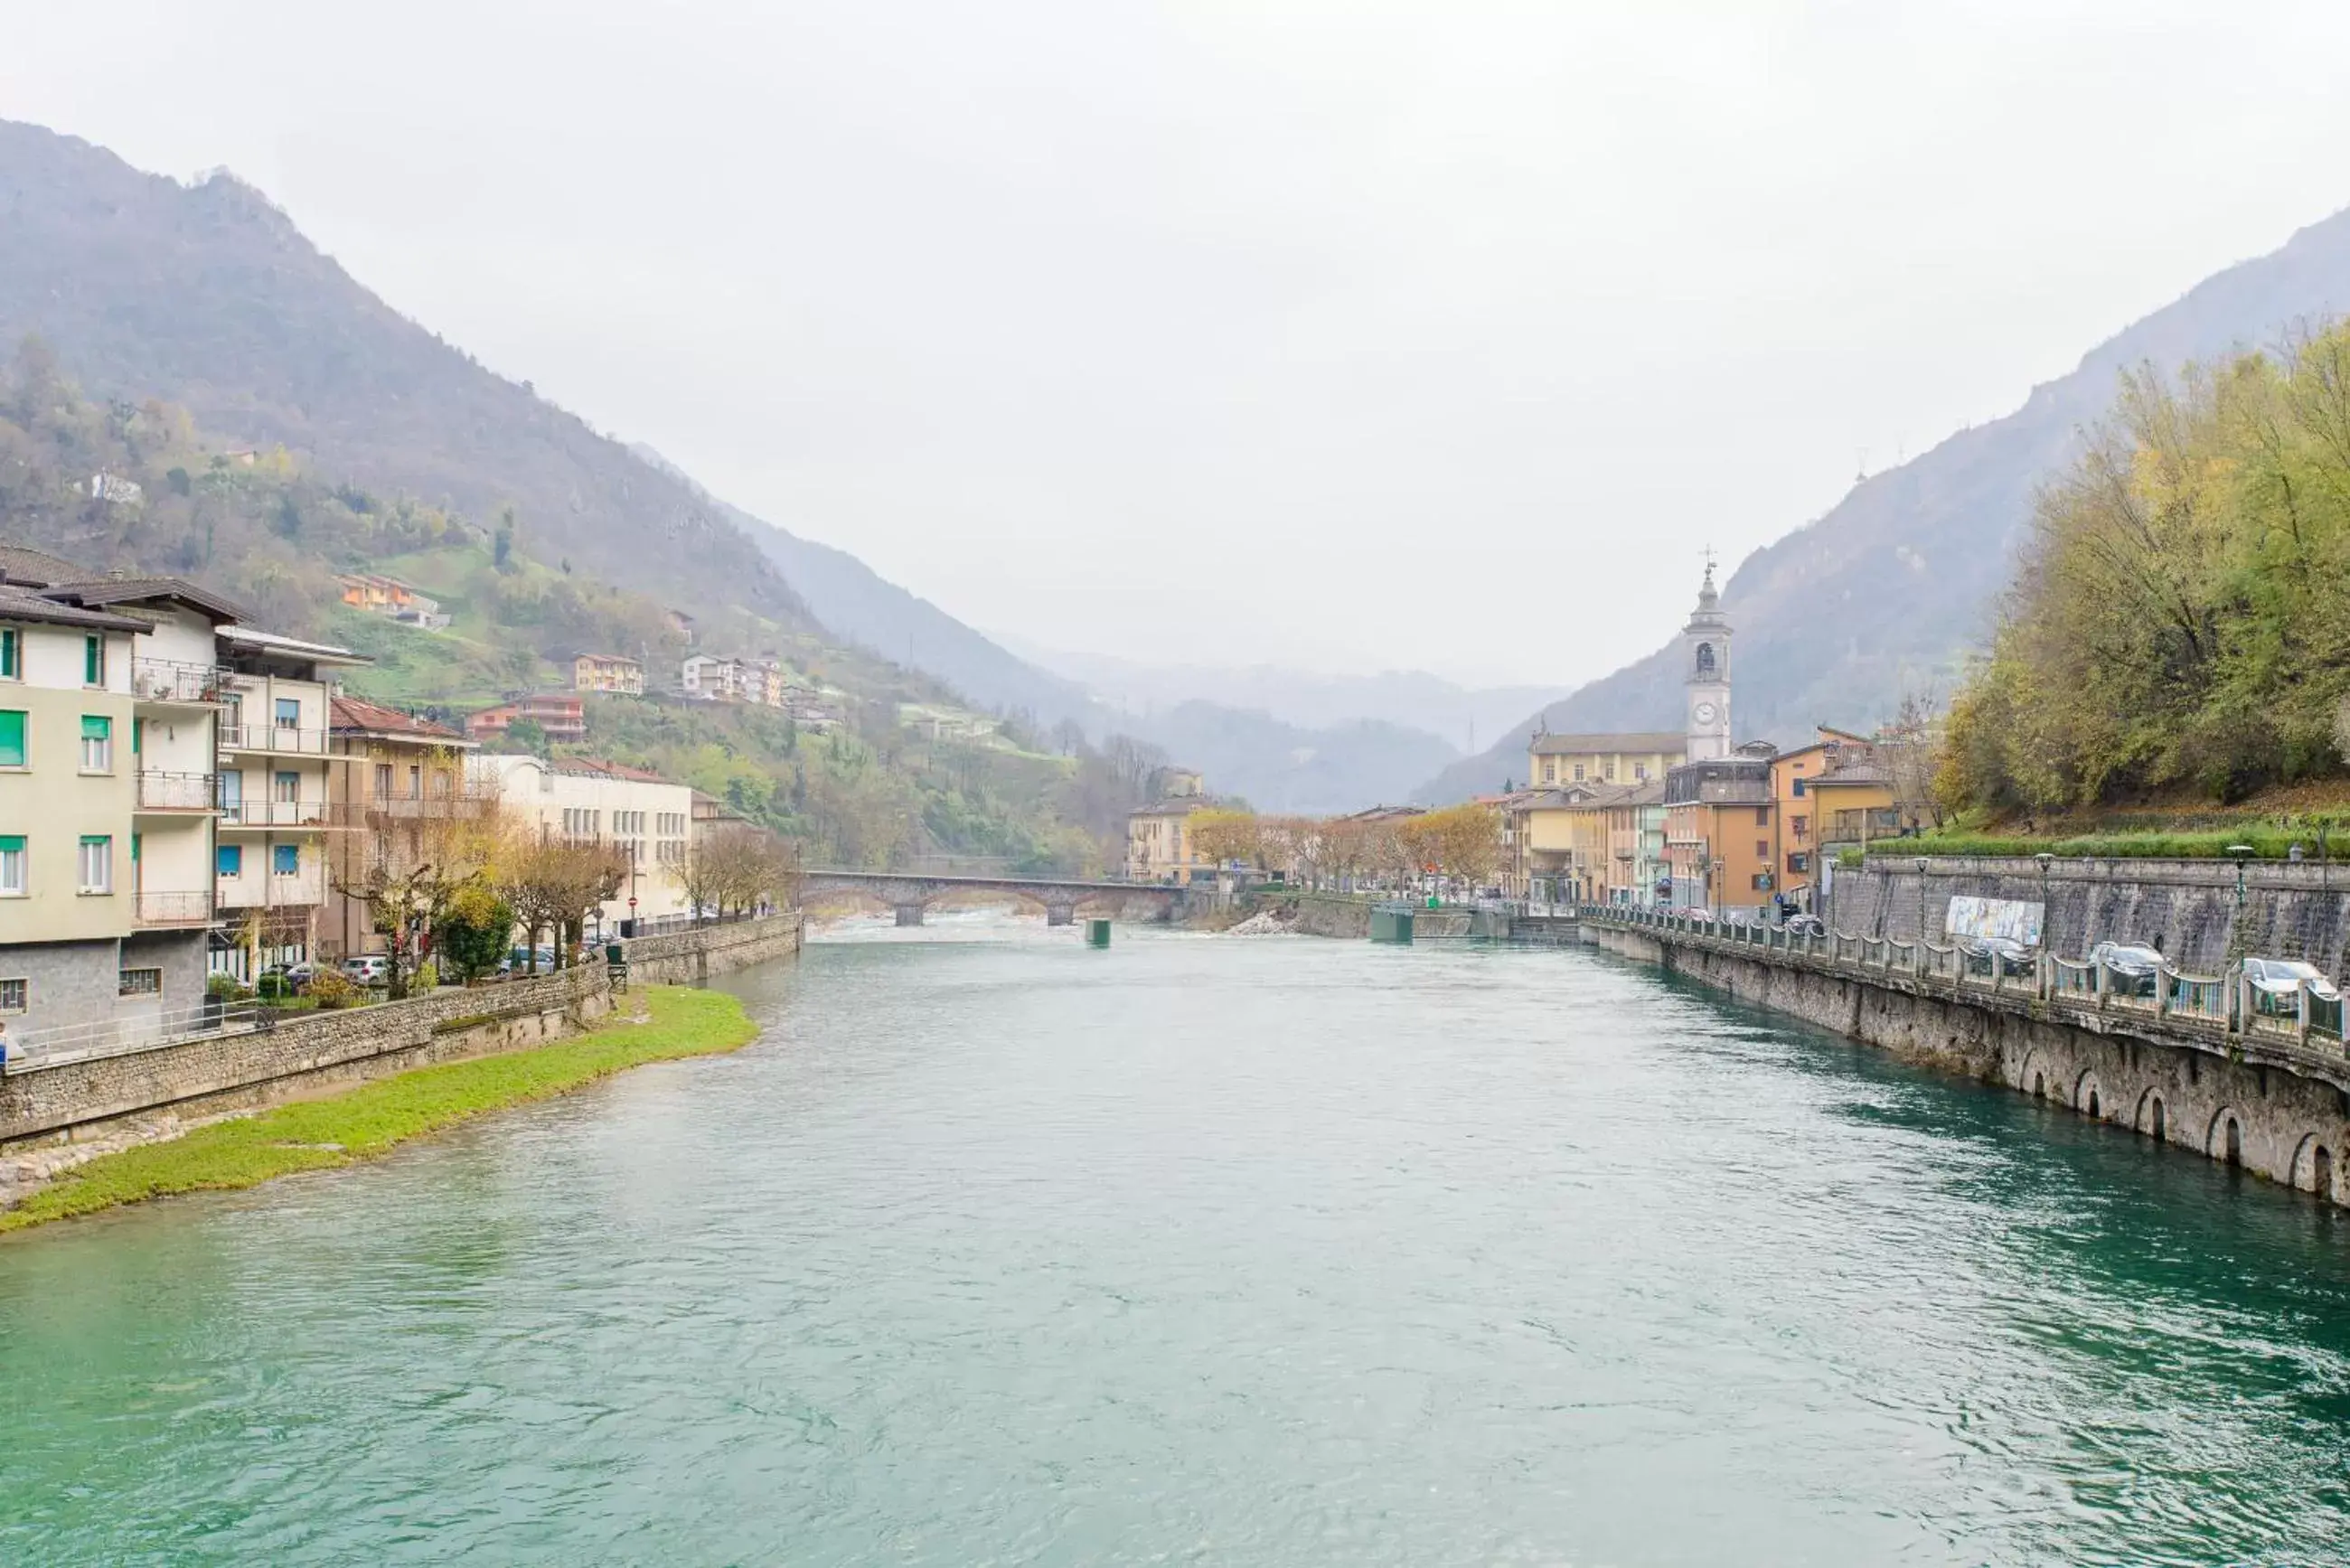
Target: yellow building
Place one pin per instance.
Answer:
(1635, 758)
(611, 672)
(1158, 845)
(1555, 842)
(387, 773)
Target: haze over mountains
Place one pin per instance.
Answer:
(1890, 589)
(207, 295)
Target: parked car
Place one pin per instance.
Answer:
(368, 969)
(2004, 955)
(517, 961)
(2277, 983)
(2131, 969)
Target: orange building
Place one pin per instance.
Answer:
(1720, 827)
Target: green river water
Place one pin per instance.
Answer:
(995, 1249)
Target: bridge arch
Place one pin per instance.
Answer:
(2223, 1140)
(2088, 1095)
(2312, 1166)
(2153, 1117)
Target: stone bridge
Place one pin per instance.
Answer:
(909, 893)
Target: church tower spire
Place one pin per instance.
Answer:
(1705, 643)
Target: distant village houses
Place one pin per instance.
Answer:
(608, 673)
(392, 599)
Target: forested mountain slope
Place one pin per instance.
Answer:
(209, 297)
(1897, 583)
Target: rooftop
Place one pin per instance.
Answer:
(1545, 744)
(357, 716)
(271, 642)
(23, 604)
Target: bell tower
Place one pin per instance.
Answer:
(1705, 647)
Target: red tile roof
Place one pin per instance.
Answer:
(360, 716)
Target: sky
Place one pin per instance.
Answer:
(1337, 333)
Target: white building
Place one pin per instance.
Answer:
(574, 800)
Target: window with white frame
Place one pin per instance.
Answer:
(14, 994)
(140, 983)
(97, 743)
(97, 863)
(12, 864)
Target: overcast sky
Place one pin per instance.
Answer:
(1332, 333)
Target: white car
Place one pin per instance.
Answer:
(2279, 979)
(368, 969)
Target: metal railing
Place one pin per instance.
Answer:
(160, 791)
(2231, 1001)
(272, 738)
(274, 813)
(175, 680)
(171, 907)
(63, 1043)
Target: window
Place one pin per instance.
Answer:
(415, 781)
(1578, 772)
(1800, 825)
(12, 865)
(97, 743)
(1639, 773)
(286, 859)
(9, 668)
(12, 739)
(383, 781)
(1762, 816)
(97, 867)
(228, 860)
(285, 788)
(1799, 862)
(289, 713)
(1799, 785)
(141, 982)
(13, 994)
(93, 660)
(1762, 849)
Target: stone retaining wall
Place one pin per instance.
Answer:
(309, 1052)
(2186, 907)
(2272, 1121)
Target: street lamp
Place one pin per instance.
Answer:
(2240, 852)
(2045, 860)
(1920, 933)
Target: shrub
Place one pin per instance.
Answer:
(272, 988)
(333, 988)
(428, 976)
(224, 988)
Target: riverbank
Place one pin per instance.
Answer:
(344, 1128)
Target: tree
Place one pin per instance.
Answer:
(1224, 838)
(554, 887)
(406, 861)
(474, 931)
(530, 735)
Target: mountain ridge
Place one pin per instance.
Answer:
(1890, 589)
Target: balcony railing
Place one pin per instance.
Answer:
(160, 791)
(275, 813)
(266, 888)
(175, 680)
(272, 738)
(153, 907)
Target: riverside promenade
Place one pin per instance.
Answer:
(2203, 1062)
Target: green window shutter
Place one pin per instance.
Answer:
(8, 652)
(12, 844)
(12, 739)
(93, 660)
(96, 727)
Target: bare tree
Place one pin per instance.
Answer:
(406, 860)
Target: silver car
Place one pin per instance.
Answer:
(2277, 983)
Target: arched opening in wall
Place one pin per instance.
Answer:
(2321, 1172)
(2094, 1112)
(2157, 1118)
(2235, 1142)
(2039, 1086)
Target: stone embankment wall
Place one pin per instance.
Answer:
(2281, 1125)
(2291, 909)
(1332, 915)
(308, 1053)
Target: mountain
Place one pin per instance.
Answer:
(1289, 769)
(856, 602)
(1893, 587)
(209, 296)
(1413, 699)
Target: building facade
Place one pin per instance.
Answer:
(1158, 845)
(389, 774)
(274, 812)
(1627, 759)
(610, 673)
(1637, 869)
(574, 800)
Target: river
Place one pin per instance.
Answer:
(997, 1250)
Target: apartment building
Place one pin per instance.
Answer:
(389, 774)
(274, 798)
(107, 696)
(1635, 844)
(561, 715)
(1720, 826)
(610, 673)
(579, 801)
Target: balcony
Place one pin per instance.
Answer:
(266, 888)
(174, 681)
(277, 738)
(275, 813)
(155, 907)
(161, 791)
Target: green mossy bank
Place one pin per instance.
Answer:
(316, 1134)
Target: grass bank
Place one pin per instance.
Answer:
(2266, 841)
(316, 1134)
